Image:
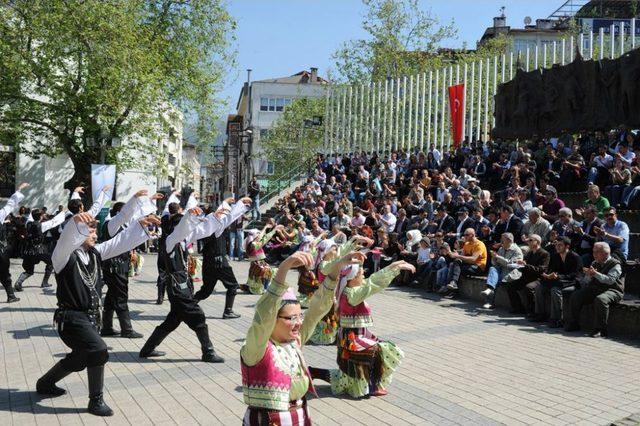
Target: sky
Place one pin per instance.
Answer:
(277, 38)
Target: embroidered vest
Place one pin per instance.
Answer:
(267, 384)
(358, 316)
(254, 254)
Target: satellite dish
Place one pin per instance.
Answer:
(527, 20)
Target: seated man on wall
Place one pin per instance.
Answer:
(471, 260)
(564, 267)
(504, 268)
(604, 286)
(534, 264)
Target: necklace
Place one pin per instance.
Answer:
(89, 278)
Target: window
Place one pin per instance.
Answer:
(274, 104)
(270, 168)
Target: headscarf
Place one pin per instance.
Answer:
(347, 274)
(252, 234)
(415, 235)
(305, 245)
(322, 248)
(288, 297)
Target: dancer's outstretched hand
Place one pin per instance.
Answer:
(196, 211)
(84, 218)
(23, 185)
(403, 266)
(151, 219)
(298, 259)
(351, 258)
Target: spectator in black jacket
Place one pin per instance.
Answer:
(508, 223)
(534, 264)
(564, 267)
(587, 234)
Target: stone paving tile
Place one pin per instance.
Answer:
(462, 367)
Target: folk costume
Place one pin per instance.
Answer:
(260, 272)
(79, 280)
(5, 255)
(275, 378)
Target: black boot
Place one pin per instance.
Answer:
(46, 385)
(107, 324)
(160, 298)
(11, 296)
(23, 276)
(228, 305)
(125, 326)
(208, 354)
(97, 406)
(45, 279)
(320, 373)
(149, 348)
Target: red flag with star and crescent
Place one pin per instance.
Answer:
(456, 106)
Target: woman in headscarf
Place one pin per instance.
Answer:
(366, 364)
(260, 272)
(275, 379)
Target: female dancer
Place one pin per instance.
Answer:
(260, 272)
(275, 378)
(366, 364)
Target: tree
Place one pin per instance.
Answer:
(403, 40)
(294, 139)
(77, 75)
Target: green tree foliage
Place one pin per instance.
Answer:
(77, 74)
(293, 139)
(403, 39)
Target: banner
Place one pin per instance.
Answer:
(456, 106)
(101, 175)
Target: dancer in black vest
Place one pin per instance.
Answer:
(115, 271)
(36, 250)
(76, 261)
(5, 261)
(215, 262)
(172, 208)
(180, 228)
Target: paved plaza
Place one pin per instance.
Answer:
(462, 366)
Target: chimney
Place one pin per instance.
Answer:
(314, 75)
(500, 21)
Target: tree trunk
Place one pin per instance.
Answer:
(81, 177)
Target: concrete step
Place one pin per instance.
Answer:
(624, 318)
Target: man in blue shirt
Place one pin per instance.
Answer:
(615, 233)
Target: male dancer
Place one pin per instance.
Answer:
(36, 250)
(5, 261)
(215, 262)
(179, 230)
(115, 271)
(76, 262)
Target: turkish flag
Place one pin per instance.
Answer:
(456, 105)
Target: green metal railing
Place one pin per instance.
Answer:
(277, 184)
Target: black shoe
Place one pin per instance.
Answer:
(98, 407)
(49, 388)
(132, 334)
(22, 278)
(159, 301)
(572, 327)
(555, 324)
(18, 287)
(152, 354)
(599, 333)
(230, 315)
(212, 357)
(12, 299)
(107, 332)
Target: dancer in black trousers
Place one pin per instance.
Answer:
(181, 229)
(76, 262)
(115, 271)
(215, 262)
(5, 261)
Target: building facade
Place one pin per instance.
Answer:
(260, 104)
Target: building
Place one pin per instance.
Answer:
(155, 168)
(190, 173)
(543, 33)
(260, 104)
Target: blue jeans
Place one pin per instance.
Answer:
(493, 277)
(255, 208)
(236, 243)
(614, 193)
(629, 194)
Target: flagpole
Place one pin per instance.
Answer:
(424, 84)
(464, 101)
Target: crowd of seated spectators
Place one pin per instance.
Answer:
(490, 210)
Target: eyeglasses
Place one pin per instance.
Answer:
(293, 318)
